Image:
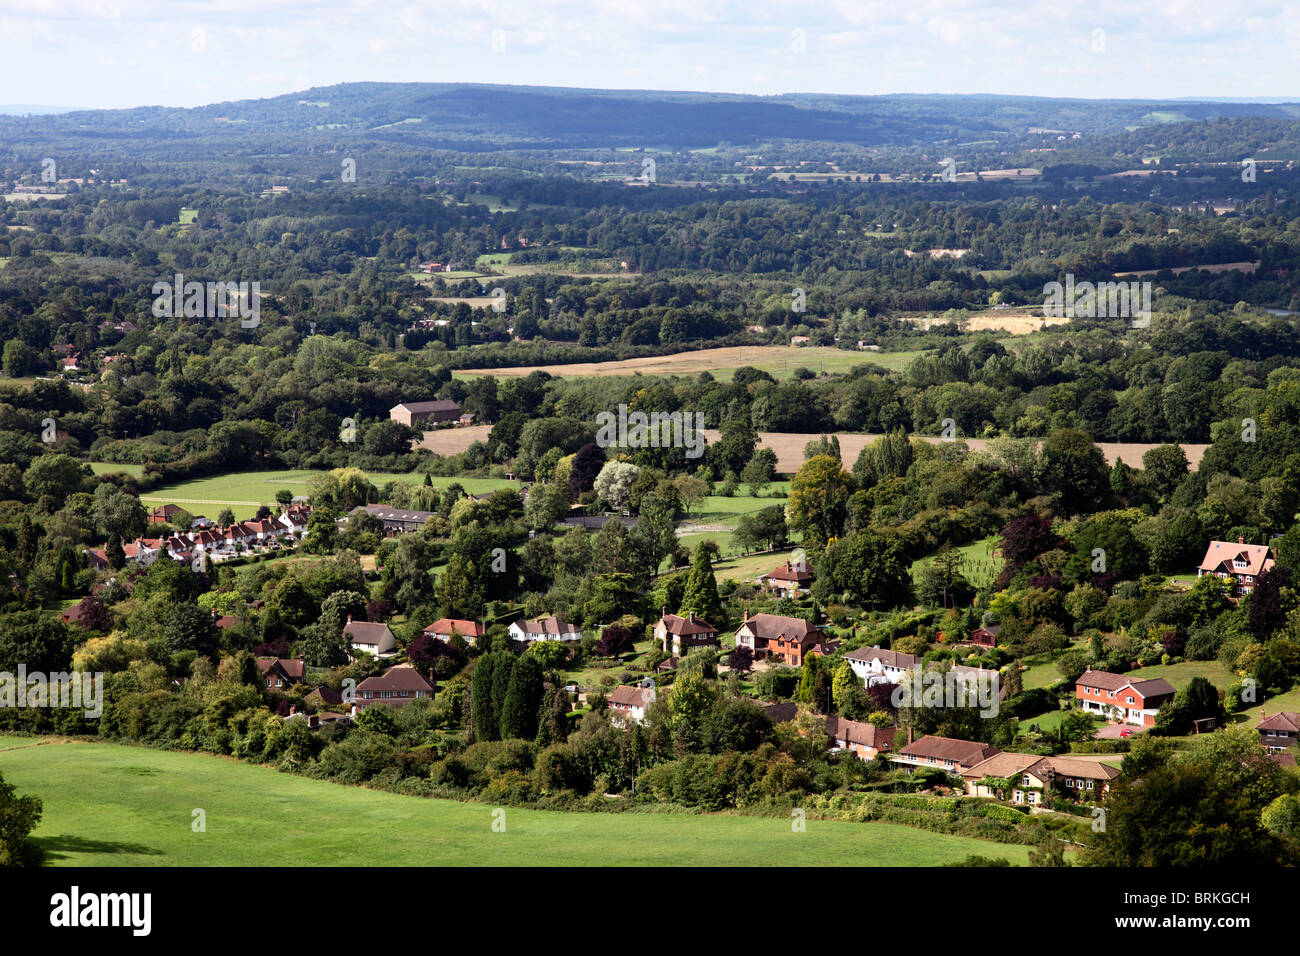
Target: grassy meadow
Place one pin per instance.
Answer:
(112, 805)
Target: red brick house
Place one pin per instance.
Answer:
(1120, 698)
(860, 738)
(1279, 732)
(677, 634)
(786, 639)
(1239, 563)
(397, 687)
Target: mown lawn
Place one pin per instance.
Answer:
(112, 805)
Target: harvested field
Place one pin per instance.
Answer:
(789, 448)
(453, 441)
(776, 359)
(1018, 321)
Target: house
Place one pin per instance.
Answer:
(324, 698)
(415, 414)
(397, 520)
(165, 514)
(792, 648)
(986, 636)
(946, 753)
(280, 673)
(631, 703)
(444, 627)
(1116, 697)
(544, 629)
(1027, 779)
(781, 713)
(667, 665)
(876, 666)
(789, 579)
(1279, 732)
(397, 687)
(1239, 563)
(792, 637)
(863, 739)
(677, 635)
(373, 637)
(83, 613)
(798, 340)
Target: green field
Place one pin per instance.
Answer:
(244, 491)
(113, 805)
(980, 565)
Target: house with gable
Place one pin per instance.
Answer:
(1120, 698)
(1240, 564)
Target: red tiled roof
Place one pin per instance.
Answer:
(1220, 555)
(687, 626)
(444, 625)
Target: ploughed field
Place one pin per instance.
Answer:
(113, 805)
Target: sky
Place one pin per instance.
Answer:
(121, 53)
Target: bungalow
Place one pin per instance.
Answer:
(1027, 779)
(1279, 732)
(544, 629)
(1238, 563)
(397, 687)
(863, 739)
(1119, 698)
(373, 637)
(789, 579)
(631, 703)
(876, 666)
(986, 636)
(445, 627)
(946, 753)
(415, 414)
(397, 520)
(677, 635)
(792, 637)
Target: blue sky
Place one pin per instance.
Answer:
(112, 53)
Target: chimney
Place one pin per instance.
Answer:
(349, 618)
(1241, 539)
(692, 617)
(293, 709)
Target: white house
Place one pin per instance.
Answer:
(874, 665)
(544, 629)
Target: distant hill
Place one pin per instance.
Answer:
(477, 117)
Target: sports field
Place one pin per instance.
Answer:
(113, 805)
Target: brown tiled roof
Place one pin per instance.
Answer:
(771, 626)
(1074, 767)
(796, 572)
(397, 678)
(327, 695)
(1108, 681)
(964, 752)
(1002, 765)
(1282, 720)
(687, 626)
(444, 625)
(1219, 556)
(861, 733)
(631, 696)
(780, 713)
